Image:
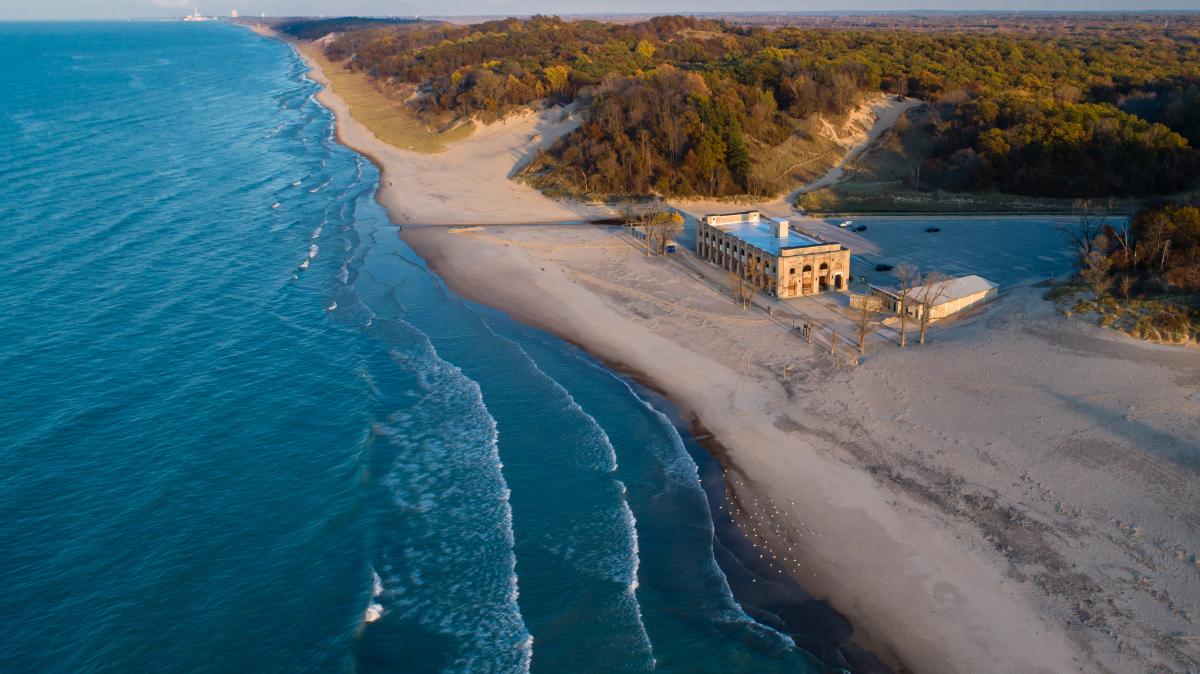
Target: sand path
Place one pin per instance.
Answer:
(866, 125)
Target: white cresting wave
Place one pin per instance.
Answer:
(374, 609)
(447, 479)
(683, 469)
(608, 463)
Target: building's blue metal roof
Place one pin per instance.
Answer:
(762, 236)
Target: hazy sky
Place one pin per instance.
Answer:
(114, 9)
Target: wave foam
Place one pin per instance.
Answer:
(682, 470)
(610, 560)
(453, 560)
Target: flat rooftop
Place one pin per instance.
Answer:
(762, 236)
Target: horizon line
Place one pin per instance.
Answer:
(651, 13)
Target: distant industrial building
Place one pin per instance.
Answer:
(958, 294)
(776, 260)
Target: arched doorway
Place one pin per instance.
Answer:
(806, 280)
(823, 276)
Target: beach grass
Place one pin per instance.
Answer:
(387, 118)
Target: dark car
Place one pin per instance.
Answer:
(860, 228)
(883, 267)
(931, 230)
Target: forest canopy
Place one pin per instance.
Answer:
(682, 106)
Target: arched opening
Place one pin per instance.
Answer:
(823, 276)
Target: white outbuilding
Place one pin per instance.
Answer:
(955, 295)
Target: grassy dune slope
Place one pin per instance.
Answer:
(387, 118)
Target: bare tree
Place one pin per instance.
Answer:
(1126, 285)
(1089, 224)
(741, 289)
(756, 272)
(1096, 272)
(907, 277)
(931, 290)
(1123, 235)
(735, 286)
(1154, 240)
(867, 310)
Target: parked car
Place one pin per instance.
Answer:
(860, 228)
(883, 267)
(931, 230)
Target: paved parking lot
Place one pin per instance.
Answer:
(1007, 250)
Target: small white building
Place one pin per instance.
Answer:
(958, 294)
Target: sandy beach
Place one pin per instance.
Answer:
(1020, 495)
(468, 182)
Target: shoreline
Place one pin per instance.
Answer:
(824, 626)
(872, 638)
(893, 525)
(910, 651)
(782, 603)
(868, 645)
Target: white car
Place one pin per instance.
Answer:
(846, 223)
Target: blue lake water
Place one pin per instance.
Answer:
(245, 429)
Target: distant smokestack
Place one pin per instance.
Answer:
(781, 231)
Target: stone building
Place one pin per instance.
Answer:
(778, 261)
